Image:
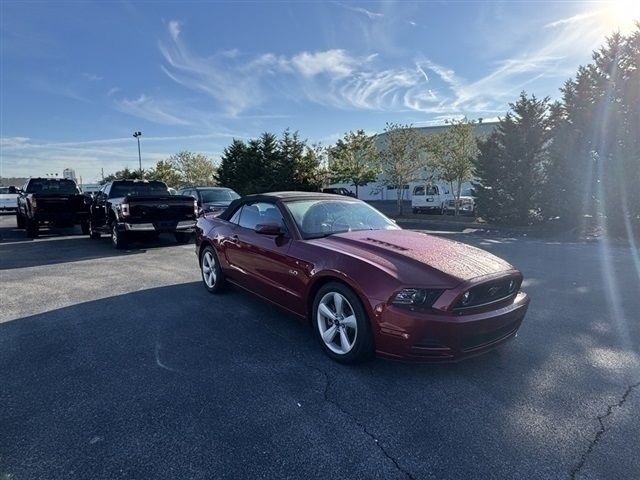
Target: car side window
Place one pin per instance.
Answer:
(259, 213)
(418, 191)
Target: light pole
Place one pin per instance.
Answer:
(137, 135)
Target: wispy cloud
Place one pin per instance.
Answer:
(174, 29)
(371, 15)
(13, 141)
(91, 77)
(22, 156)
(573, 19)
(333, 62)
(241, 84)
(52, 87)
(150, 109)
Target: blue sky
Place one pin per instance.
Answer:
(78, 78)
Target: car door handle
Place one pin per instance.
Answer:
(234, 238)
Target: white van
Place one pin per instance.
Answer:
(430, 197)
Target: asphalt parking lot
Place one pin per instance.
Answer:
(120, 365)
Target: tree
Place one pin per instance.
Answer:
(229, 171)
(267, 164)
(594, 165)
(510, 167)
(124, 174)
(354, 159)
(453, 154)
(165, 171)
(399, 158)
(193, 168)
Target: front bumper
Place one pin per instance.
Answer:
(439, 337)
(159, 226)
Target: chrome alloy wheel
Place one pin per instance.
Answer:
(209, 269)
(337, 323)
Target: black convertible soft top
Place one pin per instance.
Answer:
(274, 197)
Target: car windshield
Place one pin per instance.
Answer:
(320, 217)
(138, 189)
(52, 186)
(218, 195)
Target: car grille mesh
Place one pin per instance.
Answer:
(490, 292)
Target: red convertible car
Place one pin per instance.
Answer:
(365, 285)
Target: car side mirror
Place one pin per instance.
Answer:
(268, 229)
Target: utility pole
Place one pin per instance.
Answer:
(137, 135)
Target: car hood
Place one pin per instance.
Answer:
(407, 254)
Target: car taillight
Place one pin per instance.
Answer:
(195, 208)
(124, 209)
(34, 204)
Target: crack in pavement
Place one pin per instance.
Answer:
(362, 426)
(601, 431)
(298, 354)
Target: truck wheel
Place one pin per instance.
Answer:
(84, 226)
(118, 239)
(183, 237)
(32, 228)
(19, 220)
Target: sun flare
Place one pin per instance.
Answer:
(623, 14)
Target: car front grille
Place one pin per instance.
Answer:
(470, 342)
(490, 293)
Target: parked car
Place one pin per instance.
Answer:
(339, 191)
(430, 198)
(211, 199)
(8, 200)
(466, 203)
(53, 201)
(365, 285)
(125, 209)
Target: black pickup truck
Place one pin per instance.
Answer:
(125, 209)
(55, 201)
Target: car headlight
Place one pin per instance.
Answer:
(418, 297)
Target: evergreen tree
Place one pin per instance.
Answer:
(267, 163)
(594, 168)
(230, 165)
(510, 167)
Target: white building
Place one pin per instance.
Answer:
(378, 191)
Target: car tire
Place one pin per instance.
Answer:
(118, 238)
(84, 226)
(183, 237)
(93, 234)
(341, 324)
(212, 274)
(32, 228)
(19, 220)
